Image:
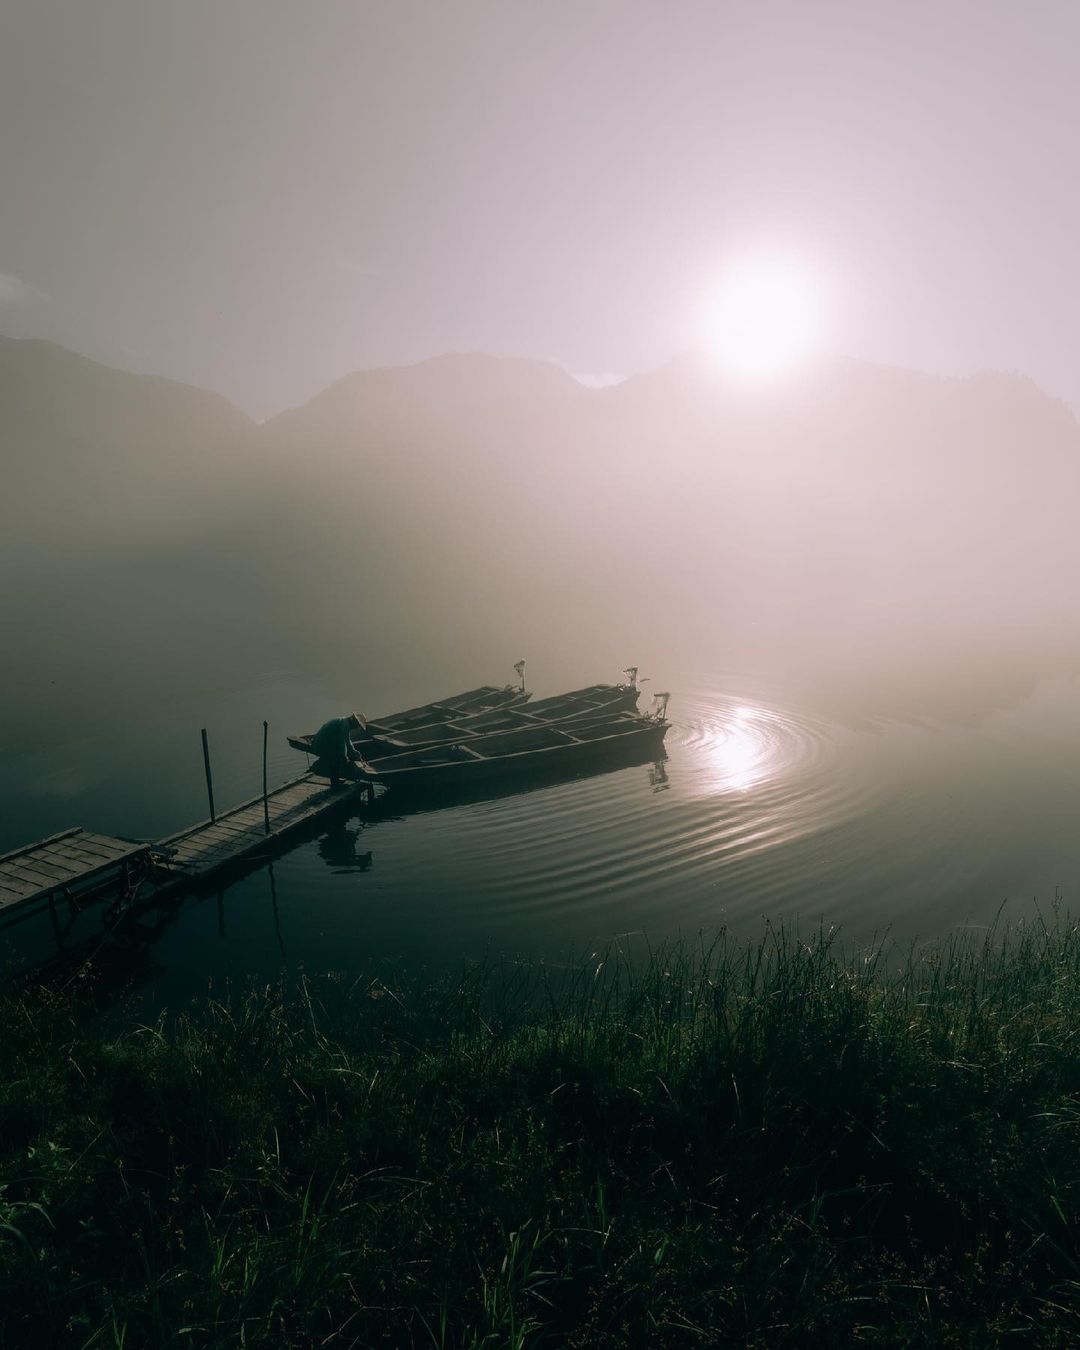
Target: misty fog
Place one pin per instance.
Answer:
(859, 534)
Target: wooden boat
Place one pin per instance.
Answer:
(486, 697)
(442, 722)
(483, 699)
(600, 697)
(595, 701)
(580, 744)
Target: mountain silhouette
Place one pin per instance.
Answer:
(856, 518)
(106, 453)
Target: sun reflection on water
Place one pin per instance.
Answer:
(739, 751)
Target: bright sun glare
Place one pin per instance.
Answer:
(765, 317)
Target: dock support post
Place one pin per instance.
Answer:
(209, 779)
(55, 921)
(266, 799)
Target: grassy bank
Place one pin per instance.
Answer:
(775, 1146)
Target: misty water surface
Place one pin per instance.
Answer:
(761, 810)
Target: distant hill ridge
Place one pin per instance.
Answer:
(856, 514)
(38, 377)
(37, 374)
(91, 453)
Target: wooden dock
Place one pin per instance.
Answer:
(79, 865)
(68, 866)
(203, 849)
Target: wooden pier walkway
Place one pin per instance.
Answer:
(79, 865)
(68, 866)
(203, 849)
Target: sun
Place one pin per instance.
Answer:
(766, 317)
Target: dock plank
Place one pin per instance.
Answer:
(31, 848)
(204, 846)
(100, 843)
(84, 856)
(31, 862)
(211, 839)
(73, 862)
(203, 842)
(224, 830)
(23, 889)
(32, 879)
(299, 793)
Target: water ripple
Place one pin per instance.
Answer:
(742, 779)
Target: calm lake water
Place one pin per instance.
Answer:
(760, 809)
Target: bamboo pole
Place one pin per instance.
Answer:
(209, 778)
(266, 799)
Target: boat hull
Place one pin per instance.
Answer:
(643, 742)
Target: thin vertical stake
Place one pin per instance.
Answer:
(266, 800)
(209, 779)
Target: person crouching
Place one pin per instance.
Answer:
(333, 747)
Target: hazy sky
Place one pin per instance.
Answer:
(258, 196)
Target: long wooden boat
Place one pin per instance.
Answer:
(440, 723)
(600, 697)
(482, 699)
(595, 701)
(581, 744)
(485, 698)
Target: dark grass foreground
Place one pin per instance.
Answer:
(779, 1147)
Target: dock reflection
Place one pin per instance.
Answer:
(338, 849)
